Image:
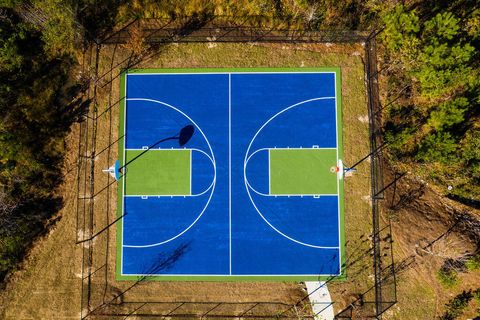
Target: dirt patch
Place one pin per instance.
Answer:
(363, 119)
(427, 230)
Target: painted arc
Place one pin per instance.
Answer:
(203, 173)
(294, 127)
(302, 125)
(162, 211)
(257, 172)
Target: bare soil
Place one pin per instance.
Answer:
(427, 230)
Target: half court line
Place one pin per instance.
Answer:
(230, 171)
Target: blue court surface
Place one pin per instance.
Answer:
(226, 223)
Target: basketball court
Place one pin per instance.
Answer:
(256, 193)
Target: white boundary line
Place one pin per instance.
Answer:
(227, 275)
(124, 178)
(230, 171)
(338, 180)
(226, 72)
(230, 73)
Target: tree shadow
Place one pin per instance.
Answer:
(466, 201)
(164, 261)
(408, 197)
(29, 221)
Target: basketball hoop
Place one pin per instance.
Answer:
(114, 170)
(340, 169)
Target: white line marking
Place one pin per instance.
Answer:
(269, 176)
(228, 72)
(214, 179)
(230, 158)
(338, 181)
(230, 171)
(227, 275)
(124, 177)
(191, 172)
(299, 148)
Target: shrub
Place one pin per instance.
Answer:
(476, 295)
(437, 147)
(473, 263)
(448, 113)
(457, 305)
(447, 277)
(10, 252)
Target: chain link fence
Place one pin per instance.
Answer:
(102, 297)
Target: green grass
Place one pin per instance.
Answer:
(158, 172)
(473, 263)
(302, 171)
(448, 278)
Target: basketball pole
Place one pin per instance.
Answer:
(99, 232)
(374, 152)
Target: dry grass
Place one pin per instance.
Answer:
(50, 286)
(419, 219)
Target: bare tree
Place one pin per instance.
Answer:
(7, 207)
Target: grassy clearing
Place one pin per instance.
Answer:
(55, 265)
